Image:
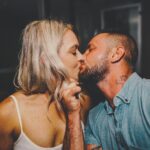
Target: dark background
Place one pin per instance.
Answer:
(85, 15)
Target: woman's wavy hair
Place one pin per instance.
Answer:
(40, 68)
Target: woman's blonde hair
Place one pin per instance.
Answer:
(41, 68)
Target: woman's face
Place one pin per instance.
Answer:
(70, 55)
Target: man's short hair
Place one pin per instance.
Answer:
(127, 41)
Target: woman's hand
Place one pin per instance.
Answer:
(71, 96)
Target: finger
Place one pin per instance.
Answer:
(73, 80)
(71, 91)
(75, 91)
(72, 104)
(67, 85)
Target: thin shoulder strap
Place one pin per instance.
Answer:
(18, 111)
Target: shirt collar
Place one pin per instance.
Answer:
(108, 109)
(125, 95)
(128, 89)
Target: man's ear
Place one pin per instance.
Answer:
(117, 54)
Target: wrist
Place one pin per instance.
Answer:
(74, 113)
(74, 116)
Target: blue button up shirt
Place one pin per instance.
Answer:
(128, 126)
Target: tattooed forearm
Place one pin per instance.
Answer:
(66, 143)
(74, 136)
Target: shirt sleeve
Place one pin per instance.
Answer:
(90, 136)
(145, 102)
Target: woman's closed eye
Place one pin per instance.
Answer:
(74, 50)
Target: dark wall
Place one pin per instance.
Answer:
(146, 38)
(83, 14)
(14, 16)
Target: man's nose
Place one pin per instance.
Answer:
(85, 55)
(81, 57)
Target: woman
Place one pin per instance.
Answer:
(32, 118)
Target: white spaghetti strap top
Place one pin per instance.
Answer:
(23, 142)
(18, 112)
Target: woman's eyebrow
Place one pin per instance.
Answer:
(74, 46)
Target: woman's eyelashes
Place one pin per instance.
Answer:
(74, 53)
(74, 50)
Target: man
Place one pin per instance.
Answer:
(122, 121)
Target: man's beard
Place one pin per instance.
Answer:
(94, 74)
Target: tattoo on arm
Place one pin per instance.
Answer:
(73, 139)
(66, 142)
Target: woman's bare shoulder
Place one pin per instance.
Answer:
(6, 107)
(8, 123)
(8, 113)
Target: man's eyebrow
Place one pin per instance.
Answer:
(88, 46)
